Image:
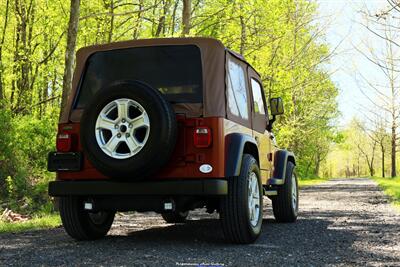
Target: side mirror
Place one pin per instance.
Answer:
(276, 105)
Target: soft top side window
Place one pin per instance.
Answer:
(257, 97)
(237, 90)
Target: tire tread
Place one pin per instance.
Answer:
(234, 225)
(282, 203)
(77, 224)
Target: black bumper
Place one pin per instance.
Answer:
(204, 187)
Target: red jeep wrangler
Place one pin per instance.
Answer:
(169, 125)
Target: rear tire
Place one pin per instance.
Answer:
(241, 223)
(162, 131)
(79, 223)
(175, 217)
(286, 204)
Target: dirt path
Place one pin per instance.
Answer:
(342, 222)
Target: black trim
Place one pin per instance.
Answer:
(281, 158)
(69, 161)
(202, 187)
(235, 143)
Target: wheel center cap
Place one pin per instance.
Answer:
(123, 128)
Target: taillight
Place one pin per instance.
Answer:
(202, 137)
(64, 142)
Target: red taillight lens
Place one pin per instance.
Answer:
(202, 137)
(64, 142)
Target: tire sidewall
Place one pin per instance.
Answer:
(253, 167)
(162, 131)
(291, 171)
(77, 222)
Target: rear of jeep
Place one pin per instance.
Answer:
(146, 129)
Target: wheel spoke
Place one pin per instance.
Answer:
(254, 184)
(112, 144)
(294, 192)
(105, 123)
(122, 109)
(140, 121)
(132, 144)
(254, 198)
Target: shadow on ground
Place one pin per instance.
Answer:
(321, 236)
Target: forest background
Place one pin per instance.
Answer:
(284, 40)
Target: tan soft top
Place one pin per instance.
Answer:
(213, 62)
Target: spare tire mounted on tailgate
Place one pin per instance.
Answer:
(128, 130)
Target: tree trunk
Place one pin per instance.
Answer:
(161, 20)
(110, 32)
(186, 16)
(383, 159)
(393, 144)
(242, 35)
(174, 17)
(1, 49)
(24, 19)
(138, 23)
(371, 168)
(317, 164)
(70, 51)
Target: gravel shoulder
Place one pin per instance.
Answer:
(342, 222)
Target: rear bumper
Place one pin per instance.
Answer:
(206, 187)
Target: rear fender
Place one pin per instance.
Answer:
(281, 158)
(235, 144)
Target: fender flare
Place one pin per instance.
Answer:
(234, 147)
(281, 157)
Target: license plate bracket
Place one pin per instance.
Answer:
(70, 161)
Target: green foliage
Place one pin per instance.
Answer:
(38, 222)
(26, 142)
(391, 186)
(7, 161)
(279, 38)
(311, 181)
(359, 149)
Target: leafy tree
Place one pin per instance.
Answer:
(38, 39)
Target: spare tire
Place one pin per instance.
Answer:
(128, 130)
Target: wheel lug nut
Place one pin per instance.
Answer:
(116, 126)
(127, 135)
(123, 120)
(119, 135)
(130, 125)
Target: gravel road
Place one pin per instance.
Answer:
(342, 222)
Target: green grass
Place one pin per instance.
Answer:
(311, 181)
(391, 187)
(43, 222)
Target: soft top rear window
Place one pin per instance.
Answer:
(176, 71)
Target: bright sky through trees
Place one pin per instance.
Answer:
(345, 30)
